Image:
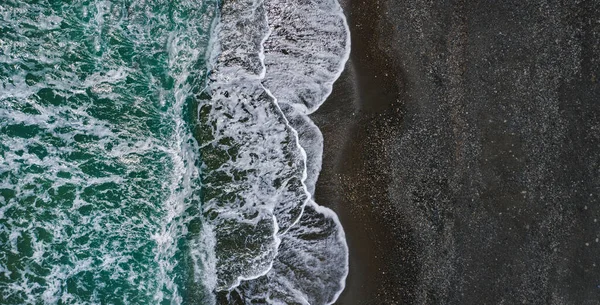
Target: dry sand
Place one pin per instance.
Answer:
(462, 152)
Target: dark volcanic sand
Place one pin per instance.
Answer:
(462, 152)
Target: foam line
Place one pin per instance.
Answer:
(97, 164)
(280, 285)
(298, 107)
(252, 167)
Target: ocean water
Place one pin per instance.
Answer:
(160, 152)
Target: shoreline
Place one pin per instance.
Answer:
(355, 120)
(460, 153)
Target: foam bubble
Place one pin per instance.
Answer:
(259, 122)
(252, 166)
(311, 266)
(98, 166)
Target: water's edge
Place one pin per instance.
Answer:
(256, 76)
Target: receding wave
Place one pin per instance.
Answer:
(274, 63)
(156, 151)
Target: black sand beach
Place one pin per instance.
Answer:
(462, 152)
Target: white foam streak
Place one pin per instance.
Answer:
(280, 286)
(235, 71)
(97, 179)
(244, 113)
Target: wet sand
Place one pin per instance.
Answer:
(462, 153)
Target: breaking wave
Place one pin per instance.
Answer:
(156, 151)
(274, 64)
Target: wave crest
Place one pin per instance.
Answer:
(274, 62)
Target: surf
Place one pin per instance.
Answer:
(255, 112)
(97, 161)
(159, 152)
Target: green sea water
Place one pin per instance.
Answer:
(98, 165)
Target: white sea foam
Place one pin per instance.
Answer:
(94, 183)
(252, 168)
(303, 47)
(310, 267)
(304, 55)
(306, 51)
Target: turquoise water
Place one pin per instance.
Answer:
(161, 152)
(98, 175)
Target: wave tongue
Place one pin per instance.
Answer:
(309, 268)
(306, 50)
(252, 167)
(255, 169)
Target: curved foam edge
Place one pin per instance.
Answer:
(311, 267)
(279, 286)
(341, 235)
(285, 50)
(310, 139)
(235, 71)
(266, 167)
